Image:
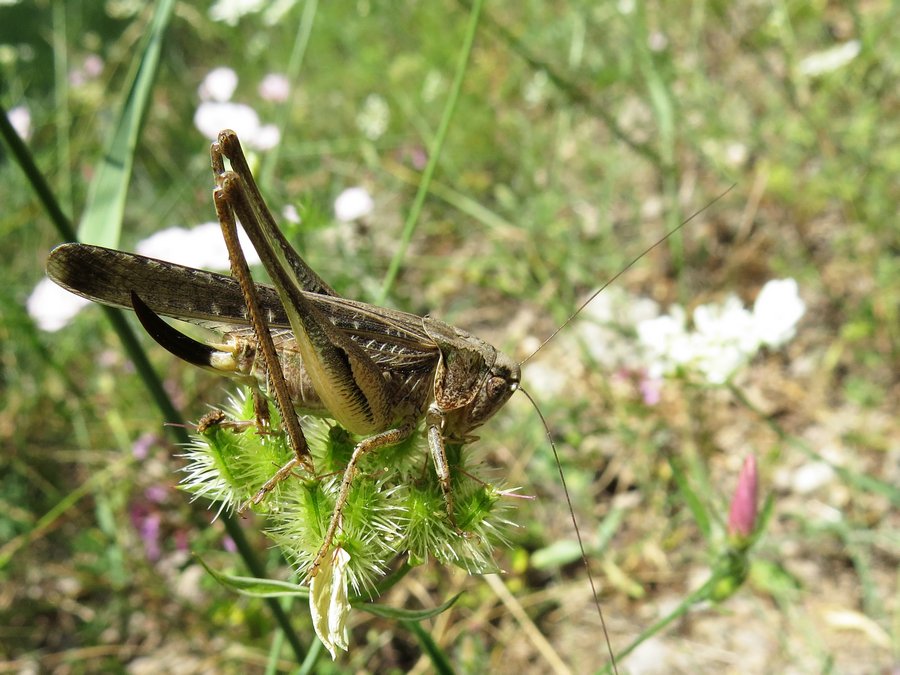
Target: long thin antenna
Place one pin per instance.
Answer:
(584, 558)
(620, 273)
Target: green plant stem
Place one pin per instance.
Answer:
(101, 220)
(61, 94)
(292, 72)
(316, 649)
(697, 596)
(438, 658)
(256, 568)
(43, 191)
(67, 232)
(434, 152)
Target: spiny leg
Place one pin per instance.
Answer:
(366, 445)
(354, 389)
(229, 147)
(352, 386)
(241, 272)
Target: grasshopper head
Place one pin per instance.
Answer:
(502, 380)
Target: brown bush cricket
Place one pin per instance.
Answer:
(376, 371)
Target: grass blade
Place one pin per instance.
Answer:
(101, 222)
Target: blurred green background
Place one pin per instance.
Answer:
(583, 132)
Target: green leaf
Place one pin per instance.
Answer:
(386, 612)
(695, 504)
(259, 588)
(101, 222)
(555, 555)
(773, 578)
(609, 527)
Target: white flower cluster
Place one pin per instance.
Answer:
(217, 111)
(374, 117)
(724, 337)
(52, 307)
(232, 12)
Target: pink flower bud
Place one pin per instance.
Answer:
(742, 515)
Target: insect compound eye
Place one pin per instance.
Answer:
(496, 386)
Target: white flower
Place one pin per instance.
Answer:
(267, 136)
(736, 153)
(666, 341)
(830, 59)
(328, 602)
(537, 88)
(433, 86)
(290, 214)
(718, 362)
(810, 477)
(275, 88)
(777, 310)
(373, 119)
(218, 85)
(548, 379)
(211, 117)
(202, 246)
(726, 324)
(91, 69)
(20, 118)
(231, 11)
(93, 66)
(657, 41)
(52, 306)
(723, 339)
(352, 204)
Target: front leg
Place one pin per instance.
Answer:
(434, 424)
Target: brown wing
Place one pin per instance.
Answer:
(214, 301)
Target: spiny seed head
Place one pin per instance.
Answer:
(395, 505)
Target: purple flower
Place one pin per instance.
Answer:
(141, 447)
(156, 493)
(651, 389)
(147, 523)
